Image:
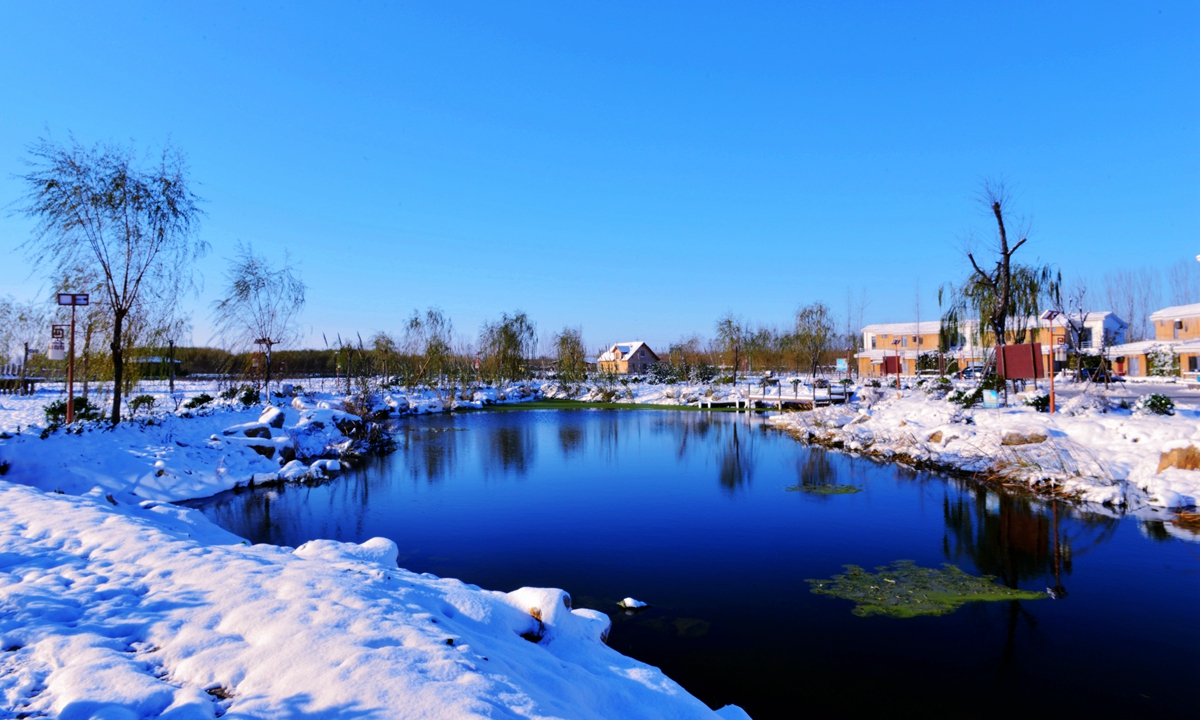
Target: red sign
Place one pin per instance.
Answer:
(1020, 362)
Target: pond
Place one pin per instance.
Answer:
(718, 521)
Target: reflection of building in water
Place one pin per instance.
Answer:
(1019, 538)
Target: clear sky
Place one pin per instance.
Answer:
(635, 169)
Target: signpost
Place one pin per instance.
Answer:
(74, 300)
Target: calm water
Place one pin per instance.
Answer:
(691, 512)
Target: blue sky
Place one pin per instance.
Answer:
(638, 169)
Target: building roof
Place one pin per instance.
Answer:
(904, 328)
(932, 326)
(628, 349)
(1175, 312)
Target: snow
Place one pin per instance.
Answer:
(121, 610)
(116, 604)
(1092, 450)
(631, 604)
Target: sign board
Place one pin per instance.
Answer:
(57, 351)
(72, 299)
(991, 399)
(58, 332)
(841, 365)
(1020, 362)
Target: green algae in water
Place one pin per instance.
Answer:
(905, 590)
(825, 489)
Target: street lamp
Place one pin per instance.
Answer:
(1049, 316)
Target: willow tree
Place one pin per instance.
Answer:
(814, 332)
(261, 305)
(571, 359)
(1005, 297)
(507, 345)
(132, 223)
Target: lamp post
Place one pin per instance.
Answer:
(74, 300)
(896, 343)
(1049, 316)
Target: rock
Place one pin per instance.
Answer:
(380, 415)
(287, 453)
(258, 432)
(936, 437)
(267, 451)
(273, 417)
(1016, 438)
(1187, 458)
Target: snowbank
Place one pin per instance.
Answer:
(114, 610)
(1091, 450)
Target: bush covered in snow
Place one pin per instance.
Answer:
(56, 412)
(1155, 404)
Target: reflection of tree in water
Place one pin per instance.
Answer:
(736, 459)
(814, 468)
(511, 447)
(686, 427)
(429, 453)
(570, 437)
(1019, 539)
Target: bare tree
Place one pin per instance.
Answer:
(1006, 296)
(1133, 295)
(731, 337)
(96, 208)
(1184, 278)
(261, 305)
(27, 327)
(814, 332)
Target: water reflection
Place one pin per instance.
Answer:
(1019, 538)
(688, 512)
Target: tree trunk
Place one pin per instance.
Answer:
(267, 376)
(118, 360)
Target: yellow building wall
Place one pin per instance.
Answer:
(1165, 329)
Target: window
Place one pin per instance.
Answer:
(1085, 337)
(1177, 327)
(872, 342)
(1192, 360)
(904, 342)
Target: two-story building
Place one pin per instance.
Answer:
(1176, 331)
(627, 358)
(911, 340)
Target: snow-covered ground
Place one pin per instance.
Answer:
(116, 610)
(1092, 449)
(116, 605)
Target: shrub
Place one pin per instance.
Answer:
(1039, 402)
(938, 386)
(229, 393)
(1157, 404)
(704, 373)
(199, 401)
(56, 412)
(249, 396)
(967, 399)
(141, 401)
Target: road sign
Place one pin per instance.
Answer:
(72, 298)
(841, 365)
